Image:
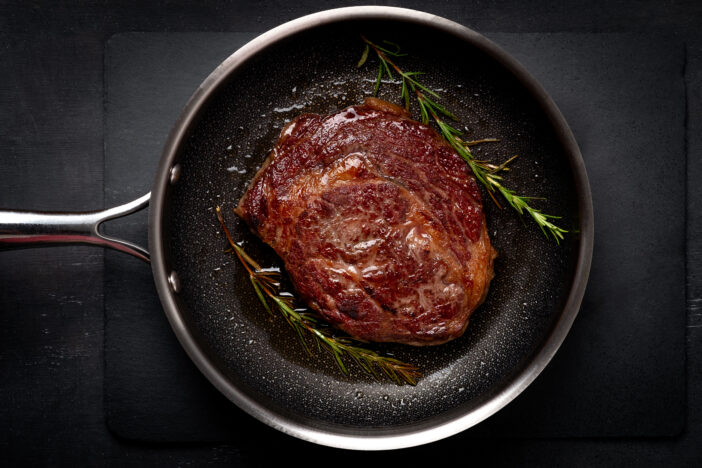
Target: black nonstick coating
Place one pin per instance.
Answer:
(256, 359)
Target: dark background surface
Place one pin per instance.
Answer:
(52, 132)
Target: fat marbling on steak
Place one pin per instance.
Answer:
(378, 221)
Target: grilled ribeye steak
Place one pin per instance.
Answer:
(378, 221)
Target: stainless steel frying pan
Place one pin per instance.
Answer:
(223, 136)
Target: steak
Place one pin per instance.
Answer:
(379, 223)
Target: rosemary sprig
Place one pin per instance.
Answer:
(309, 325)
(488, 174)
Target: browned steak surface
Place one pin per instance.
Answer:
(378, 221)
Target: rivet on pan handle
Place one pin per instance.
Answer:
(21, 229)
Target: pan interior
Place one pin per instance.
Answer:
(315, 71)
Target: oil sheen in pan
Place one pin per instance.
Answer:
(261, 354)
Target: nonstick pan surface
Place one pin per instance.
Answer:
(222, 138)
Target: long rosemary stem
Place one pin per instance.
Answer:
(486, 173)
(309, 325)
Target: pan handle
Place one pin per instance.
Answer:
(19, 229)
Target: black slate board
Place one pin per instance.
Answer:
(621, 371)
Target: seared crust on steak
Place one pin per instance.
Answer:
(378, 221)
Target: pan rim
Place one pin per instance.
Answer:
(405, 436)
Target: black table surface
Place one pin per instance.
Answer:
(51, 300)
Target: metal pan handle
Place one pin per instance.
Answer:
(20, 229)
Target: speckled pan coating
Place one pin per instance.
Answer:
(224, 134)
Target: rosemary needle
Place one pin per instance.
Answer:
(430, 110)
(309, 326)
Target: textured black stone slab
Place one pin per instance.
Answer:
(621, 371)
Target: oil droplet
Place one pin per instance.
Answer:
(289, 108)
(272, 270)
(237, 169)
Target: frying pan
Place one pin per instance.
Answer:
(222, 137)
